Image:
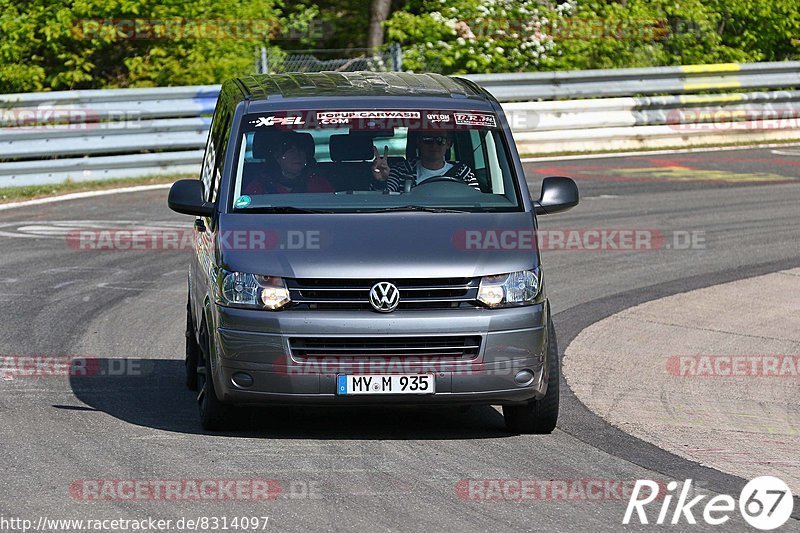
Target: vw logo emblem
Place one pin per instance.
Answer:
(384, 297)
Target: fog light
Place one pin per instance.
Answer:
(524, 377)
(491, 295)
(274, 297)
(242, 379)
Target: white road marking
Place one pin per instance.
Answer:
(19, 235)
(61, 270)
(82, 195)
(59, 229)
(66, 283)
(137, 289)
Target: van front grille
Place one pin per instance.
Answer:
(444, 347)
(438, 293)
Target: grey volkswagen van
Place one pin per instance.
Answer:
(367, 238)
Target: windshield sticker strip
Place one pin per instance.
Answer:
(372, 120)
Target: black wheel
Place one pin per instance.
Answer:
(214, 415)
(539, 416)
(192, 351)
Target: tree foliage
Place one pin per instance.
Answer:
(49, 44)
(477, 35)
(461, 36)
(56, 44)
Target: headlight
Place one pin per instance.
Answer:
(251, 290)
(516, 288)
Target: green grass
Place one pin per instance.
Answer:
(29, 192)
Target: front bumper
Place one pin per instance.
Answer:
(257, 343)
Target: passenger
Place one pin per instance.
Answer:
(291, 169)
(432, 149)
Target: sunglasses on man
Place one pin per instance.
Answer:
(434, 139)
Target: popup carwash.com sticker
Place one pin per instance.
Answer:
(382, 114)
(241, 202)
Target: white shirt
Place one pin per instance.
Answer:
(424, 173)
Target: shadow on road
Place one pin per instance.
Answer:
(151, 393)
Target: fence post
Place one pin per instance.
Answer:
(264, 61)
(396, 52)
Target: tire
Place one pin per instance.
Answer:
(192, 351)
(539, 416)
(214, 415)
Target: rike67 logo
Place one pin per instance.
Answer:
(765, 503)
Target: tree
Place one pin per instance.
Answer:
(465, 36)
(378, 13)
(53, 45)
(461, 36)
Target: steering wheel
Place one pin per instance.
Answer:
(442, 179)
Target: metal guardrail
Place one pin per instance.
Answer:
(654, 122)
(640, 81)
(50, 137)
(88, 135)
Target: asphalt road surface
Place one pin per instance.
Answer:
(71, 447)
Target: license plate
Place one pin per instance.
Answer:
(385, 384)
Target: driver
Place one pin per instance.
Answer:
(432, 149)
(293, 168)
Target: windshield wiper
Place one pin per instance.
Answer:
(284, 209)
(418, 208)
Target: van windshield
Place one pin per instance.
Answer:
(369, 161)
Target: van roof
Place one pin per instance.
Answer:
(366, 83)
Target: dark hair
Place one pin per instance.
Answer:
(435, 133)
(296, 140)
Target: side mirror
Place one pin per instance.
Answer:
(186, 196)
(559, 193)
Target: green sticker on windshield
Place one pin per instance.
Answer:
(242, 201)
